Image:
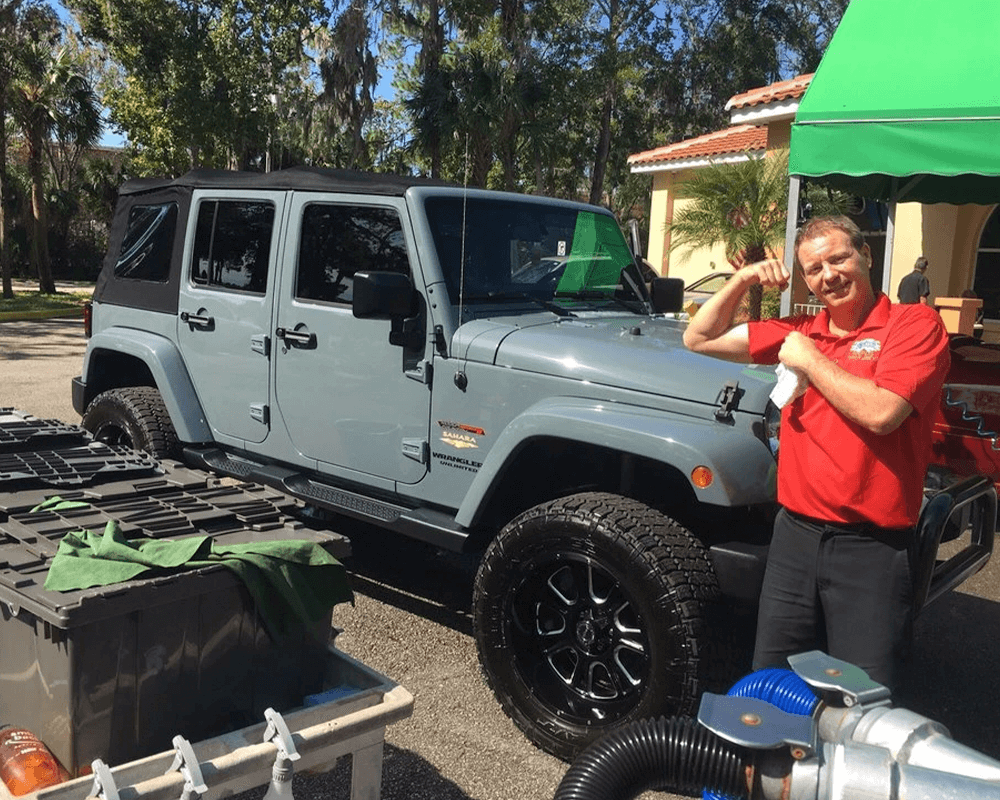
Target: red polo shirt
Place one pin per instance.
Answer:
(832, 469)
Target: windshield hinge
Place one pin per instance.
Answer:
(728, 400)
(440, 344)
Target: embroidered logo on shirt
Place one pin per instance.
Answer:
(865, 349)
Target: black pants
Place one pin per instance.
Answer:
(843, 589)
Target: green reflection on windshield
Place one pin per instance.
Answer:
(598, 255)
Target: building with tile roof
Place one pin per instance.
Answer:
(761, 120)
(962, 242)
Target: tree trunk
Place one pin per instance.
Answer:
(39, 219)
(603, 148)
(431, 48)
(8, 289)
(755, 294)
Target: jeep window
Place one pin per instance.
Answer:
(522, 250)
(232, 245)
(148, 243)
(339, 240)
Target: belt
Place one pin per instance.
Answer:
(865, 528)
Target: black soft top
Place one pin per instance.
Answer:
(178, 191)
(294, 178)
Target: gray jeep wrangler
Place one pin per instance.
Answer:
(487, 372)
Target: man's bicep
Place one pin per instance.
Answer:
(733, 345)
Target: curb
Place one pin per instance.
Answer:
(20, 316)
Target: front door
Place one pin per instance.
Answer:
(224, 314)
(346, 395)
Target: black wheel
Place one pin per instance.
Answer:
(591, 611)
(133, 417)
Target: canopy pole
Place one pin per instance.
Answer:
(791, 223)
(890, 236)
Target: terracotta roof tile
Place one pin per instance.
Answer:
(725, 142)
(782, 90)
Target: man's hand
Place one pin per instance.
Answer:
(767, 273)
(798, 352)
(711, 331)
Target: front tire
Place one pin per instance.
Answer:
(133, 417)
(591, 611)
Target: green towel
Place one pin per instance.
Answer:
(289, 580)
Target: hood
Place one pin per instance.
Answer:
(642, 354)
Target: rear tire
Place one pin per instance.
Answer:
(592, 611)
(134, 417)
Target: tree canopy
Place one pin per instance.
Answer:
(543, 96)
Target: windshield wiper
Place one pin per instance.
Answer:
(635, 306)
(548, 305)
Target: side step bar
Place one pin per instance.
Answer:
(427, 525)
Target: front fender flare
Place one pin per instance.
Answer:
(744, 469)
(166, 364)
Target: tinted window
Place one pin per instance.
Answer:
(148, 243)
(987, 282)
(338, 241)
(514, 249)
(232, 245)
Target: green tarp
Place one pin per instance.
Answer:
(905, 104)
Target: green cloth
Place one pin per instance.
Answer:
(289, 580)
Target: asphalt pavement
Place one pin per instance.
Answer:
(411, 622)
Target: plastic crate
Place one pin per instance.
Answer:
(20, 431)
(115, 672)
(353, 723)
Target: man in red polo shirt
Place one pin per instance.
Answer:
(854, 449)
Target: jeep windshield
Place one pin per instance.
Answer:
(541, 254)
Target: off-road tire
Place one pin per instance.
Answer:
(133, 417)
(592, 611)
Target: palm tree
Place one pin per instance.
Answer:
(741, 206)
(48, 94)
(8, 25)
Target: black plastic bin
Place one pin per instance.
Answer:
(115, 672)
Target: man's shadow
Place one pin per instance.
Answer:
(952, 677)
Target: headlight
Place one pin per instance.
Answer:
(772, 426)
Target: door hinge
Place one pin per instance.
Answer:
(417, 449)
(261, 343)
(421, 372)
(260, 412)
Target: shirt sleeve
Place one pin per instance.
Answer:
(915, 357)
(767, 336)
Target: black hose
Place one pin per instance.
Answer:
(675, 754)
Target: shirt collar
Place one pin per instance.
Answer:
(877, 318)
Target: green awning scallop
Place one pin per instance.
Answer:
(905, 104)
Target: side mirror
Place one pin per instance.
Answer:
(667, 294)
(382, 295)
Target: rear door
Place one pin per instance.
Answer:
(346, 395)
(224, 314)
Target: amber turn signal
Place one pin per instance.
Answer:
(702, 477)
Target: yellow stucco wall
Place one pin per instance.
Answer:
(927, 231)
(656, 250)
(947, 235)
(667, 197)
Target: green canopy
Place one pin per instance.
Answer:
(905, 104)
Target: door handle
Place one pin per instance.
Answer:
(296, 338)
(198, 320)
